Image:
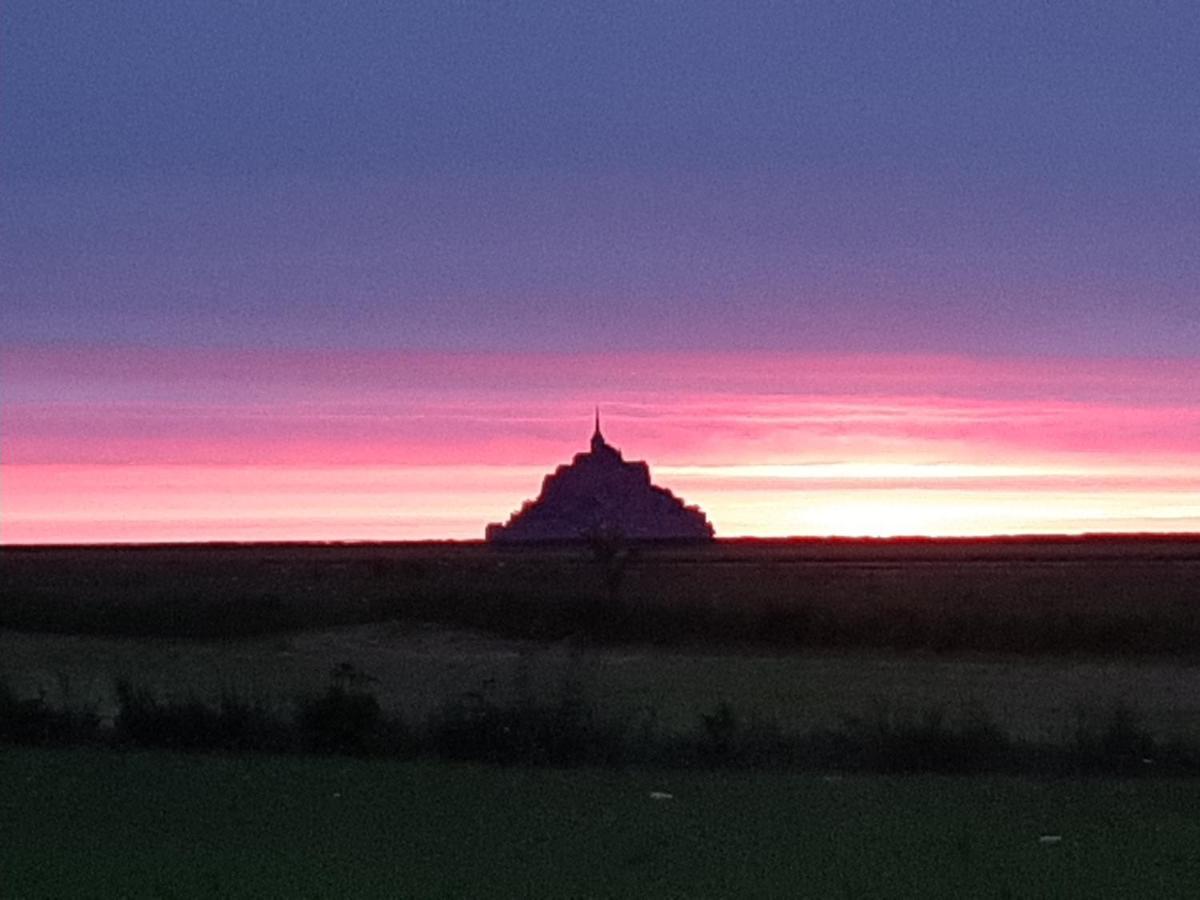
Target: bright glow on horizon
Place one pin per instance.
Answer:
(98, 504)
(900, 471)
(100, 446)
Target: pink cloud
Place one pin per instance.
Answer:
(140, 442)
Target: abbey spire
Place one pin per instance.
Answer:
(598, 442)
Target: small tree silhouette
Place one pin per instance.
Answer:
(346, 718)
(612, 554)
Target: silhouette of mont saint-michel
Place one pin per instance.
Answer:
(599, 493)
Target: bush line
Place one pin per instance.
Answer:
(346, 719)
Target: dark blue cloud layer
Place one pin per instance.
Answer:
(981, 178)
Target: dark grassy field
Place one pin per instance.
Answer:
(1045, 636)
(91, 823)
(805, 636)
(416, 669)
(1102, 596)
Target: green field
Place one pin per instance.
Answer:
(93, 823)
(1038, 634)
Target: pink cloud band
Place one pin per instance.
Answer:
(100, 444)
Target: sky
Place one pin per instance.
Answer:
(349, 271)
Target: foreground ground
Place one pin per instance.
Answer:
(418, 668)
(1038, 634)
(1035, 635)
(93, 823)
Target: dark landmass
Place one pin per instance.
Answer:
(1071, 546)
(1104, 594)
(600, 494)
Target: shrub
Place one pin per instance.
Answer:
(236, 724)
(346, 718)
(33, 721)
(928, 743)
(564, 731)
(1120, 744)
(724, 739)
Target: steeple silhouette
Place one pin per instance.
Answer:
(598, 442)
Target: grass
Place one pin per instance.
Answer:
(32, 720)
(144, 720)
(731, 669)
(101, 823)
(419, 667)
(570, 730)
(1110, 597)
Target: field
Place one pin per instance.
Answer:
(417, 669)
(105, 824)
(1040, 635)
(1103, 596)
(1047, 639)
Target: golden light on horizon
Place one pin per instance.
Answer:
(153, 503)
(787, 449)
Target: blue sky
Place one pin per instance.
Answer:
(345, 270)
(982, 179)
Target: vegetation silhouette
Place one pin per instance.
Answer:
(1111, 597)
(568, 729)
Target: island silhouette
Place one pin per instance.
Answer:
(600, 493)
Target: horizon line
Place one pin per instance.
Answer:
(1010, 538)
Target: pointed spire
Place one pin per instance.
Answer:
(597, 438)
